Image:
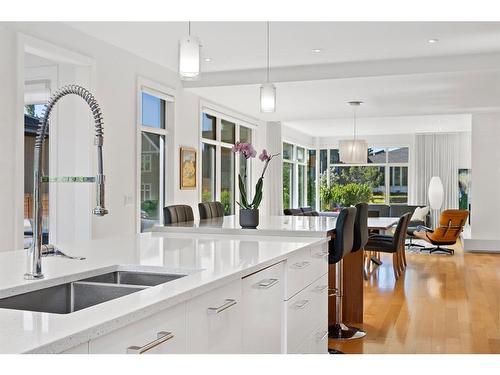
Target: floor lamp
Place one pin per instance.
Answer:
(436, 194)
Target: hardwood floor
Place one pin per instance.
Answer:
(442, 304)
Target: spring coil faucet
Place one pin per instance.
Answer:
(34, 266)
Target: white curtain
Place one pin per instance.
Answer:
(435, 155)
(273, 181)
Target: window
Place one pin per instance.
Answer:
(311, 178)
(296, 172)
(155, 107)
(146, 192)
(385, 171)
(219, 165)
(146, 162)
(207, 173)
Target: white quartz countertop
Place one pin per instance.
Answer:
(300, 226)
(209, 260)
(297, 226)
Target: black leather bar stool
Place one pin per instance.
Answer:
(342, 245)
(210, 210)
(177, 213)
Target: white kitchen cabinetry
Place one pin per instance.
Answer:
(164, 332)
(306, 301)
(307, 319)
(214, 321)
(263, 294)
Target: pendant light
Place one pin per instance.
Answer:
(268, 90)
(353, 151)
(189, 57)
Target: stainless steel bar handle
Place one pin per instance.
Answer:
(162, 337)
(226, 305)
(266, 283)
(301, 265)
(323, 254)
(301, 304)
(320, 288)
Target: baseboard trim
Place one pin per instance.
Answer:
(481, 246)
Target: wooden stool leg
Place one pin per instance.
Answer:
(395, 265)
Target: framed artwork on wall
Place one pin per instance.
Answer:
(188, 168)
(464, 189)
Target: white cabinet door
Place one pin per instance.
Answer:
(305, 266)
(263, 315)
(164, 332)
(214, 321)
(307, 314)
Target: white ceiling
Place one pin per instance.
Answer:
(418, 94)
(242, 45)
(343, 127)
(388, 65)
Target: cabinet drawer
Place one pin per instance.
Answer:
(307, 312)
(214, 321)
(262, 295)
(150, 335)
(315, 343)
(304, 267)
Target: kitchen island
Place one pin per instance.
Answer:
(302, 227)
(236, 295)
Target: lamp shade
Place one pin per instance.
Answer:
(436, 193)
(267, 97)
(353, 151)
(189, 58)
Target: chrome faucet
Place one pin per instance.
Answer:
(37, 250)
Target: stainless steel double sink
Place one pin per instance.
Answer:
(80, 294)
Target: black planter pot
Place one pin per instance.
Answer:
(249, 219)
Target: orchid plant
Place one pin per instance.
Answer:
(248, 152)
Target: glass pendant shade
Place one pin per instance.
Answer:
(189, 58)
(436, 193)
(353, 151)
(267, 98)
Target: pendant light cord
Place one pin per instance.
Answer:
(268, 51)
(354, 121)
(189, 28)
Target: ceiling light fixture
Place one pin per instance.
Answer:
(317, 50)
(353, 151)
(189, 57)
(268, 90)
(433, 41)
(207, 59)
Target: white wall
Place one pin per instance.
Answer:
(186, 135)
(8, 120)
(485, 223)
(114, 83)
(297, 137)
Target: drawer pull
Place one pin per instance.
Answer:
(226, 305)
(320, 288)
(323, 254)
(266, 283)
(321, 336)
(301, 265)
(301, 304)
(162, 337)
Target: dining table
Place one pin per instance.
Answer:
(296, 226)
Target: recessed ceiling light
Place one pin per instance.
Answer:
(317, 50)
(433, 41)
(207, 59)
